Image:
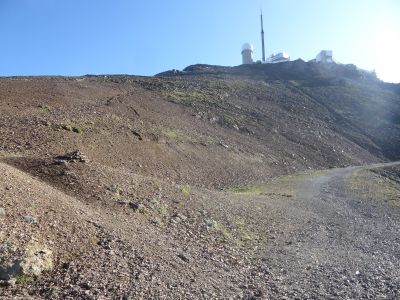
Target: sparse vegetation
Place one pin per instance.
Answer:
(284, 186)
(185, 191)
(23, 279)
(163, 209)
(220, 228)
(66, 127)
(238, 234)
(169, 133)
(249, 190)
(77, 130)
(193, 185)
(371, 184)
(69, 125)
(45, 108)
(196, 94)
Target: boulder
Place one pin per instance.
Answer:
(35, 260)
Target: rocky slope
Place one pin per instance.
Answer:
(127, 186)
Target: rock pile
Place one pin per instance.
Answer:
(75, 156)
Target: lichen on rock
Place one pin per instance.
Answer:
(35, 260)
(38, 259)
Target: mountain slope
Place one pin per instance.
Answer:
(205, 129)
(178, 185)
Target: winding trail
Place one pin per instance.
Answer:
(342, 247)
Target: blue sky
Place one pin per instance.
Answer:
(77, 37)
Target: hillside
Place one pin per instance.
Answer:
(176, 185)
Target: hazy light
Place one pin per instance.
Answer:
(385, 50)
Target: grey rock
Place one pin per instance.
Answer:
(134, 206)
(12, 282)
(122, 201)
(184, 257)
(7, 248)
(157, 221)
(138, 207)
(2, 212)
(177, 217)
(30, 219)
(75, 156)
(9, 270)
(37, 259)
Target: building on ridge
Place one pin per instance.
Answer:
(247, 54)
(278, 57)
(325, 56)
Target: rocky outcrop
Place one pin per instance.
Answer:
(35, 260)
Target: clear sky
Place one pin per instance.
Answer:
(144, 37)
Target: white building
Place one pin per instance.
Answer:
(325, 56)
(278, 57)
(247, 54)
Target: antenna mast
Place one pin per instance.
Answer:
(262, 38)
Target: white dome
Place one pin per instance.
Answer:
(247, 46)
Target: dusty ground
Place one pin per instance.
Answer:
(343, 245)
(306, 236)
(214, 183)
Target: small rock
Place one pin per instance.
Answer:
(51, 292)
(65, 173)
(85, 286)
(177, 217)
(30, 220)
(75, 156)
(183, 257)
(224, 145)
(2, 212)
(134, 206)
(12, 282)
(65, 265)
(122, 201)
(138, 207)
(157, 221)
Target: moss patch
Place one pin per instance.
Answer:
(237, 233)
(24, 279)
(45, 108)
(371, 185)
(185, 191)
(284, 186)
(169, 133)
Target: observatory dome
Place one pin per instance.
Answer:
(247, 46)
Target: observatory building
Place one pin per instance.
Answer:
(278, 57)
(247, 54)
(325, 56)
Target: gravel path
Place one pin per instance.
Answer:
(343, 247)
(323, 243)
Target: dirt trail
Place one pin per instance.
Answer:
(343, 247)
